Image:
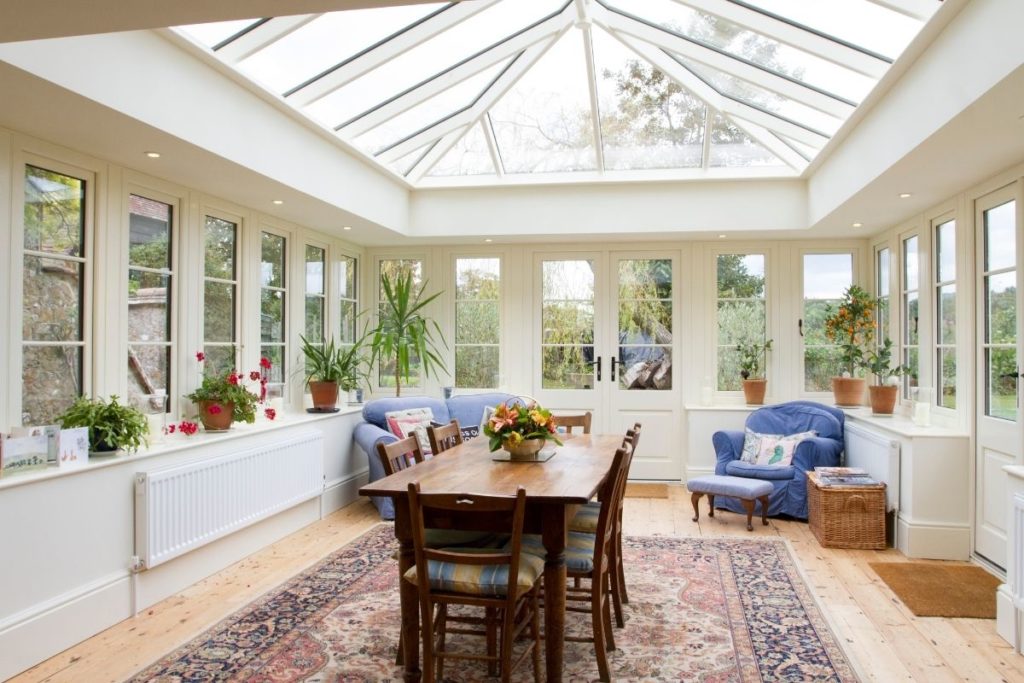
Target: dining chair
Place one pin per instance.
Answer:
(504, 581)
(394, 456)
(588, 557)
(582, 421)
(444, 437)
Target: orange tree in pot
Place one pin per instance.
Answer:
(852, 327)
(885, 390)
(752, 358)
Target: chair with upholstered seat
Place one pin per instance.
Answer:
(444, 437)
(505, 582)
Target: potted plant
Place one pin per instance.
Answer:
(112, 425)
(403, 332)
(223, 399)
(852, 327)
(521, 429)
(886, 389)
(330, 366)
(754, 383)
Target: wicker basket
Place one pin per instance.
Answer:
(847, 516)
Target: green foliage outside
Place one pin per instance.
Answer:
(477, 324)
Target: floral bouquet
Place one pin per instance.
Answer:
(222, 392)
(512, 424)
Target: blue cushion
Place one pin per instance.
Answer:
(579, 551)
(585, 519)
(373, 412)
(468, 409)
(738, 468)
(736, 487)
(798, 416)
(480, 579)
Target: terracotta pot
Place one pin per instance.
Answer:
(220, 419)
(883, 398)
(526, 450)
(848, 391)
(753, 391)
(325, 394)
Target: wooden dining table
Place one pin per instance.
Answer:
(554, 489)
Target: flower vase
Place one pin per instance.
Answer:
(216, 416)
(524, 450)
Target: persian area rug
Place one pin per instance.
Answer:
(719, 610)
(640, 489)
(940, 590)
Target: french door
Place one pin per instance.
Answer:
(999, 434)
(605, 342)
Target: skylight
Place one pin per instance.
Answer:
(496, 91)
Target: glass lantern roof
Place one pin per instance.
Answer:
(495, 91)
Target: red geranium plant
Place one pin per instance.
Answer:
(219, 388)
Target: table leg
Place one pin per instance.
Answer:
(555, 528)
(408, 593)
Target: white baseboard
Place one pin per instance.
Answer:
(1007, 617)
(932, 542)
(341, 492)
(31, 636)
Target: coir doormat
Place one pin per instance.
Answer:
(941, 590)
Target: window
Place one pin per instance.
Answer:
(150, 297)
(316, 293)
(273, 295)
(741, 313)
(945, 313)
(477, 322)
(826, 277)
(220, 293)
(911, 301)
(349, 304)
(882, 282)
(999, 271)
(53, 291)
(393, 269)
(567, 324)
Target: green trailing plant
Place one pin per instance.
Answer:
(404, 333)
(751, 355)
(879, 363)
(112, 425)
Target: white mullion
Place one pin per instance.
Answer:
(809, 42)
(441, 82)
(595, 108)
(507, 79)
(787, 154)
(263, 35)
(713, 98)
(729, 65)
(921, 10)
(385, 51)
(492, 145)
(435, 153)
(709, 115)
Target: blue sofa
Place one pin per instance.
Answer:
(468, 409)
(789, 483)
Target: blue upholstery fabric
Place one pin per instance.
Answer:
(738, 487)
(579, 550)
(467, 409)
(585, 519)
(789, 494)
(480, 579)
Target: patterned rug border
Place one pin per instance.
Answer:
(823, 623)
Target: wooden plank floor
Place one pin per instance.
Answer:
(885, 640)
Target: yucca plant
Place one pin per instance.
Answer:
(403, 332)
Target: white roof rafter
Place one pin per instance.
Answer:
(259, 37)
(921, 10)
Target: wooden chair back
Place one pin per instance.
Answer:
(444, 437)
(571, 421)
(395, 456)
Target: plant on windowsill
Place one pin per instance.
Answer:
(222, 398)
(852, 327)
(330, 366)
(112, 426)
(885, 391)
(754, 383)
(521, 429)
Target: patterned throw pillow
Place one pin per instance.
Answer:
(752, 445)
(469, 432)
(778, 451)
(402, 423)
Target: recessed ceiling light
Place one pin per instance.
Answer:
(721, 237)
(904, 195)
(153, 155)
(488, 240)
(346, 227)
(278, 201)
(858, 225)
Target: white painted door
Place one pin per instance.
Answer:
(999, 436)
(605, 343)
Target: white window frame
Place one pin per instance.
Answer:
(855, 253)
(922, 305)
(937, 346)
(453, 302)
(286, 290)
(239, 280)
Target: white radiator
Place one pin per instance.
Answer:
(877, 454)
(178, 509)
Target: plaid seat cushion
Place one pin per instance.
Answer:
(480, 579)
(579, 550)
(586, 518)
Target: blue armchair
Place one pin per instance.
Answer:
(789, 494)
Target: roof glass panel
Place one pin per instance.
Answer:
(469, 156)
(859, 22)
(763, 99)
(326, 41)
(647, 119)
(544, 123)
(429, 58)
(426, 113)
(731, 147)
(751, 46)
(803, 149)
(212, 35)
(404, 164)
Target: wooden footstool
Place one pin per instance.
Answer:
(747, 490)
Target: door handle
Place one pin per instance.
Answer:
(615, 362)
(597, 364)
(800, 326)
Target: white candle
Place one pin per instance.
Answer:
(156, 426)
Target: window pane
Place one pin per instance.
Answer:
(732, 148)
(476, 367)
(477, 278)
(276, 356)
(883, 282)
(741, 321)
(740, 276)
(1000, 236)
(149, 233)
(947, 314)
(51, 378)
(54, 212)
(315, 319)
(1001, 308)
(348, 322)
(148, 370)
(219, 257)
(911, 318)
(567, 280)
(945, 251)
(567, 322)
(348, 277)
(825, 277)
(469, 156)
(947, 378)
(272, 260)
(911, 359)
(1002, 382)
(219, 358)
(51, 300)
(567, 367)
(645, 279)
(821, 364)
(477, 322)
(729, 378)
(149, 301)
(272, 316)
(395, 268)
(645, 368)
(219, 312)
(910, 264)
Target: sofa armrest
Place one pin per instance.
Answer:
(817, 451)
(728, 447)
(367, 436)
